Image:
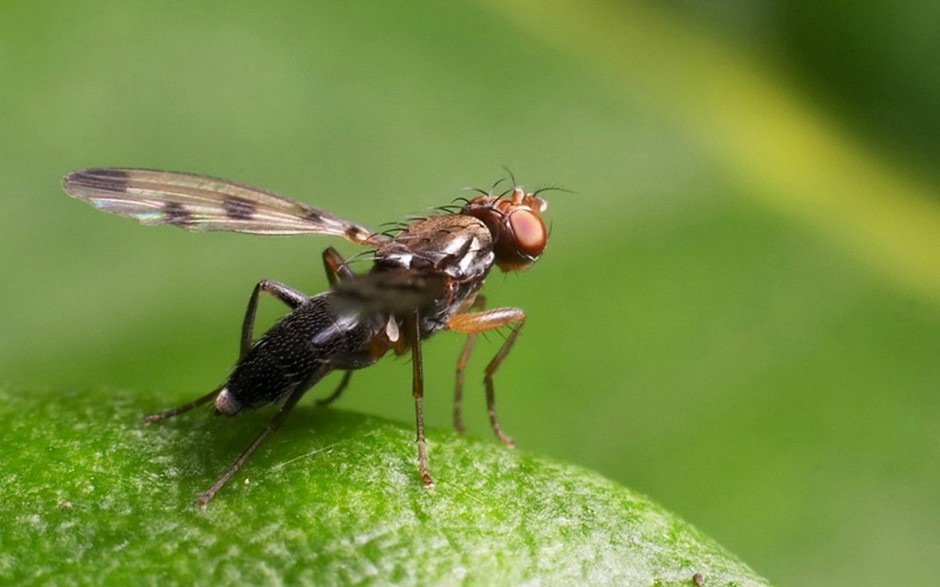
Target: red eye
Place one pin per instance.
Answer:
(529, 232)
(519, 235)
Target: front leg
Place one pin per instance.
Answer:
(477, 322)
(478, 304)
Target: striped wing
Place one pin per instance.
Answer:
(200, 203)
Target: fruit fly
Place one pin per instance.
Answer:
(426, 277)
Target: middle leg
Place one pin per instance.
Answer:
(413, 331)
(478, 304)
(337, 269)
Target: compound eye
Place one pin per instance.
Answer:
(529, 232)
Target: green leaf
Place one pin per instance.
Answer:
(92, 496)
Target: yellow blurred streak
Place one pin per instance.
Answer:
(757, 126)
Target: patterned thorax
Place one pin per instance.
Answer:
(459, 247)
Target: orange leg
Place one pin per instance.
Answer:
(473, 324)
(458, 382)
(478, 304)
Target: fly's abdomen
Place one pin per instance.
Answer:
(297, 351)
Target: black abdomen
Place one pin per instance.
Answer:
(297, 351)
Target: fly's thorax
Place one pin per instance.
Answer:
(458, 246)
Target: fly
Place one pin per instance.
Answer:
(425, 277)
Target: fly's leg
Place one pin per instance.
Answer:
(338, 392)
(413, 332)
(291, 297)
(458, 382)
(336, 270)
(336, 267)
(478, 304)
(183, 408)
(273, 425)
(287, 295)
(478, 322)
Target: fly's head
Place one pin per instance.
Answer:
(515, 222)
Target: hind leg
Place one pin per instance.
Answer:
(287, 295)
(183, 408)
(273, 425)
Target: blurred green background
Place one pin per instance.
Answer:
(739, 309)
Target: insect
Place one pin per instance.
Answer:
(425, 277)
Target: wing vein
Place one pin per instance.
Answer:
(202, 203)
